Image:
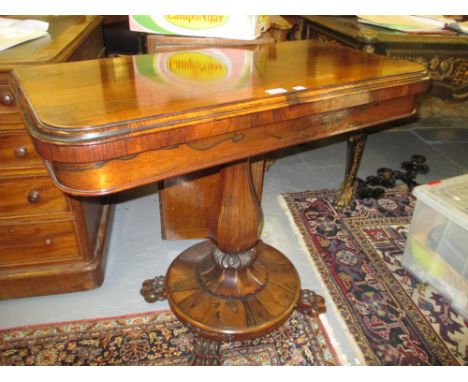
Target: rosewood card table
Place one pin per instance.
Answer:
(108, 125)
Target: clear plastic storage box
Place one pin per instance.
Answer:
(436, 250)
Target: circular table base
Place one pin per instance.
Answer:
(246, 315)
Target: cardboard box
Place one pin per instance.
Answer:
(222, 26)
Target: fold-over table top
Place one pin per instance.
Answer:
(91, 103)
(91, 96)
(111, 124)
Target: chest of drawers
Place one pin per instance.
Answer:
(49, 242)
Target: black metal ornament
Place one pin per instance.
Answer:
(373, 186)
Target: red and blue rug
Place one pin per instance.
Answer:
(358, 251)
(158, 339)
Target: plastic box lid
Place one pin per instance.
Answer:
(448, 197)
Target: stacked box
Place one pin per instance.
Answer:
(437, 246)
(223, 26)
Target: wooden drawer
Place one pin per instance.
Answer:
(51, 243)
(7, 100)
(30, 196)
(10, 118)
(37, 243)
(17, 152)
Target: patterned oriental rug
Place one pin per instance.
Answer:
(158, 339)
(358, 251)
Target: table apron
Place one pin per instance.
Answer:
(106, 177)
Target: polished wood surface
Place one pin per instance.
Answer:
(66, 35)
(17, 152)
(50, 256)
(185, 201)
(155, 42)
(104, 110)
(30, 195)
(248, 287)
(107, 100)
(104, 177)
(118, 123)
(49, 242)
(38, 243)
(233, 318)
(445, 56)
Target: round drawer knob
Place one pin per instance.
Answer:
(6, 99)
(21, 151)
(34, 197)
(48, 241)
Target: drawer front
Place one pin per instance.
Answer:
(17, 151)
(7, 100)
(37, 243)
(10, 118)
(30, 196)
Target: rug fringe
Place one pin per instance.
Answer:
(331, 308)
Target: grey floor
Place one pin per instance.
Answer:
(136, 252)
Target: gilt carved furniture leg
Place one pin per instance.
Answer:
(233, 286)
(355, 149)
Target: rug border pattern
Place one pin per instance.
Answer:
(30, 335)
(327, 280)
(406, 301)
(340, 302)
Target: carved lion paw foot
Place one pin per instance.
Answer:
(206, 352)
(154, 289)
(310, 303)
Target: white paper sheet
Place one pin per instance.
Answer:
(14, 32)
(407, 23)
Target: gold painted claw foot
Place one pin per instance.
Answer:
(206, 352)
(343, 196)
(310, 303)
(154, 289)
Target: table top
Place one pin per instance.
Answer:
(119, 98)
(107, 125)
(367, 34)
(65, 33)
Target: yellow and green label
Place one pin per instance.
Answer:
(198, 22)
(197, 66)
